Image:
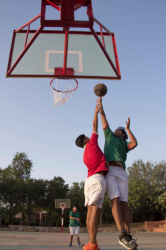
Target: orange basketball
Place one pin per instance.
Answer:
(100, 89)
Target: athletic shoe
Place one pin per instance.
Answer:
(80, 245)
(87, 247)
(131, 237)
(70, 245)
(127, 241)
(94, 247)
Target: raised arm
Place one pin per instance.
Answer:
(95, 120)
(102, 113)
(133, 140)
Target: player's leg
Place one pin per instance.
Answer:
(97, 185)
(88, 219)
(94, 221)
(123, 190)
(77, 237)
(71, 235)
(125, 215)
(89, 209)
(125, 239)
(116, 212)
(71, 239)
(112, 190)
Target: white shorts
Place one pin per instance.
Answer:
(74, 230)
(94, 190)
(117, 183)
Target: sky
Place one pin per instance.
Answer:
(30, 123)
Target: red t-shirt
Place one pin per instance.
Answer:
(93, 157)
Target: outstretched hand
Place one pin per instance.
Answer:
(99, 102)
(128, 124)
(97, 109)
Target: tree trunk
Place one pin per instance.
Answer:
(10, 215)
(58, 220)
(23, 218)
(10, 218)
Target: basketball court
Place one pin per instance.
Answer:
(45, 241)
(72, 50)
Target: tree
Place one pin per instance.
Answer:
(21, 166)
(106, 214)
(55, 189)
(76, 195)
(13, 184)
(162, 204)
(146, 183)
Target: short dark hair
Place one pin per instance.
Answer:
(124, 132)
(80, 141)
(75, 206)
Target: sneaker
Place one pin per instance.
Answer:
(80, 245)
(87, 247)
(127, 241)
(94, 247)
(70, 245)
(131, 237)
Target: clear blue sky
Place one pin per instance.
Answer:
(28, 121)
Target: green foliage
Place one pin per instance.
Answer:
(19, 193)
(55, 189)
(106, 215)
(76, 195)
(162, 200)
(146, 183)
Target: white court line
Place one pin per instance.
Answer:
(48, 52)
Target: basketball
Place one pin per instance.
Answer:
(100, 89)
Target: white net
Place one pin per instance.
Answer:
(61, 97)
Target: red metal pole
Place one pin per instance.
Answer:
(27, 36)
(43, 10)
(80, 5)
(105, 52)
(32, 20)
(53, 5)
(102, 36)
(11, 52)
(90, 11)
(102, 26)
(116, 54)
(65, 50)
(24, 51)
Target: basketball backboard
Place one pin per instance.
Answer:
(45, 57)
(62, 203)
(68, 52)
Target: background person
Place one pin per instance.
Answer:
(74, 220)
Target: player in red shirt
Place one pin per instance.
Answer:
(95, 184)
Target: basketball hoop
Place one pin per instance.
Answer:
(60, 97)
(62, 204)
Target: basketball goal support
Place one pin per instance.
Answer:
(62, 220)
(62, 204)
(66, 21)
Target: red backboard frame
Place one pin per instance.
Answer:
(66, 22)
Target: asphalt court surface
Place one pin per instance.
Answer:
(46, 241)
